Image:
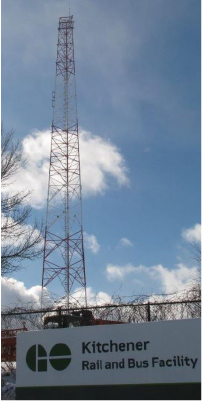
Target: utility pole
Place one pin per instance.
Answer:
(63, 259)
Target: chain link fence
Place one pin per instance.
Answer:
(30, 319)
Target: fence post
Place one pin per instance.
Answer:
(60, 317)
(148, 312)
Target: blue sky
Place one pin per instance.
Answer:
(138, 94)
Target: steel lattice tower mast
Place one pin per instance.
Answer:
(63, 260)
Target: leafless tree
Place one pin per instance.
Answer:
(20, 240)
(194, 290)
(196, 251)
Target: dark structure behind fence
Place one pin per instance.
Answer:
(32, 319)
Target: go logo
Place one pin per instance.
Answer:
(37, 358)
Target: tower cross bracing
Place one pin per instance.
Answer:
(63, 259)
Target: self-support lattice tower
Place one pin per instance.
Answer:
(63, 259)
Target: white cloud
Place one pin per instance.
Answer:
(34, 175)
(101, 164)
(99, 298)
(14, 292)
(18, 235)
(100, 160)
(175, 279)
(119, 272)
(168, 280)
(192, 234)
(125, 242)
(91, 242)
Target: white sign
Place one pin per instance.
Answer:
(141, 353)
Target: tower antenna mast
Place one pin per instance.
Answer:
(63, 259)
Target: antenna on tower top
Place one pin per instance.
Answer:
(63, 259)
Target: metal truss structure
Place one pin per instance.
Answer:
(63, 259)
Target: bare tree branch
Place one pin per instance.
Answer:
(11, 157)
(196, 251)
(20, 240)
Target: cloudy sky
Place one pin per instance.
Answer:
(138, 94)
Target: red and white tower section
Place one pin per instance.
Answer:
(63, 259)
